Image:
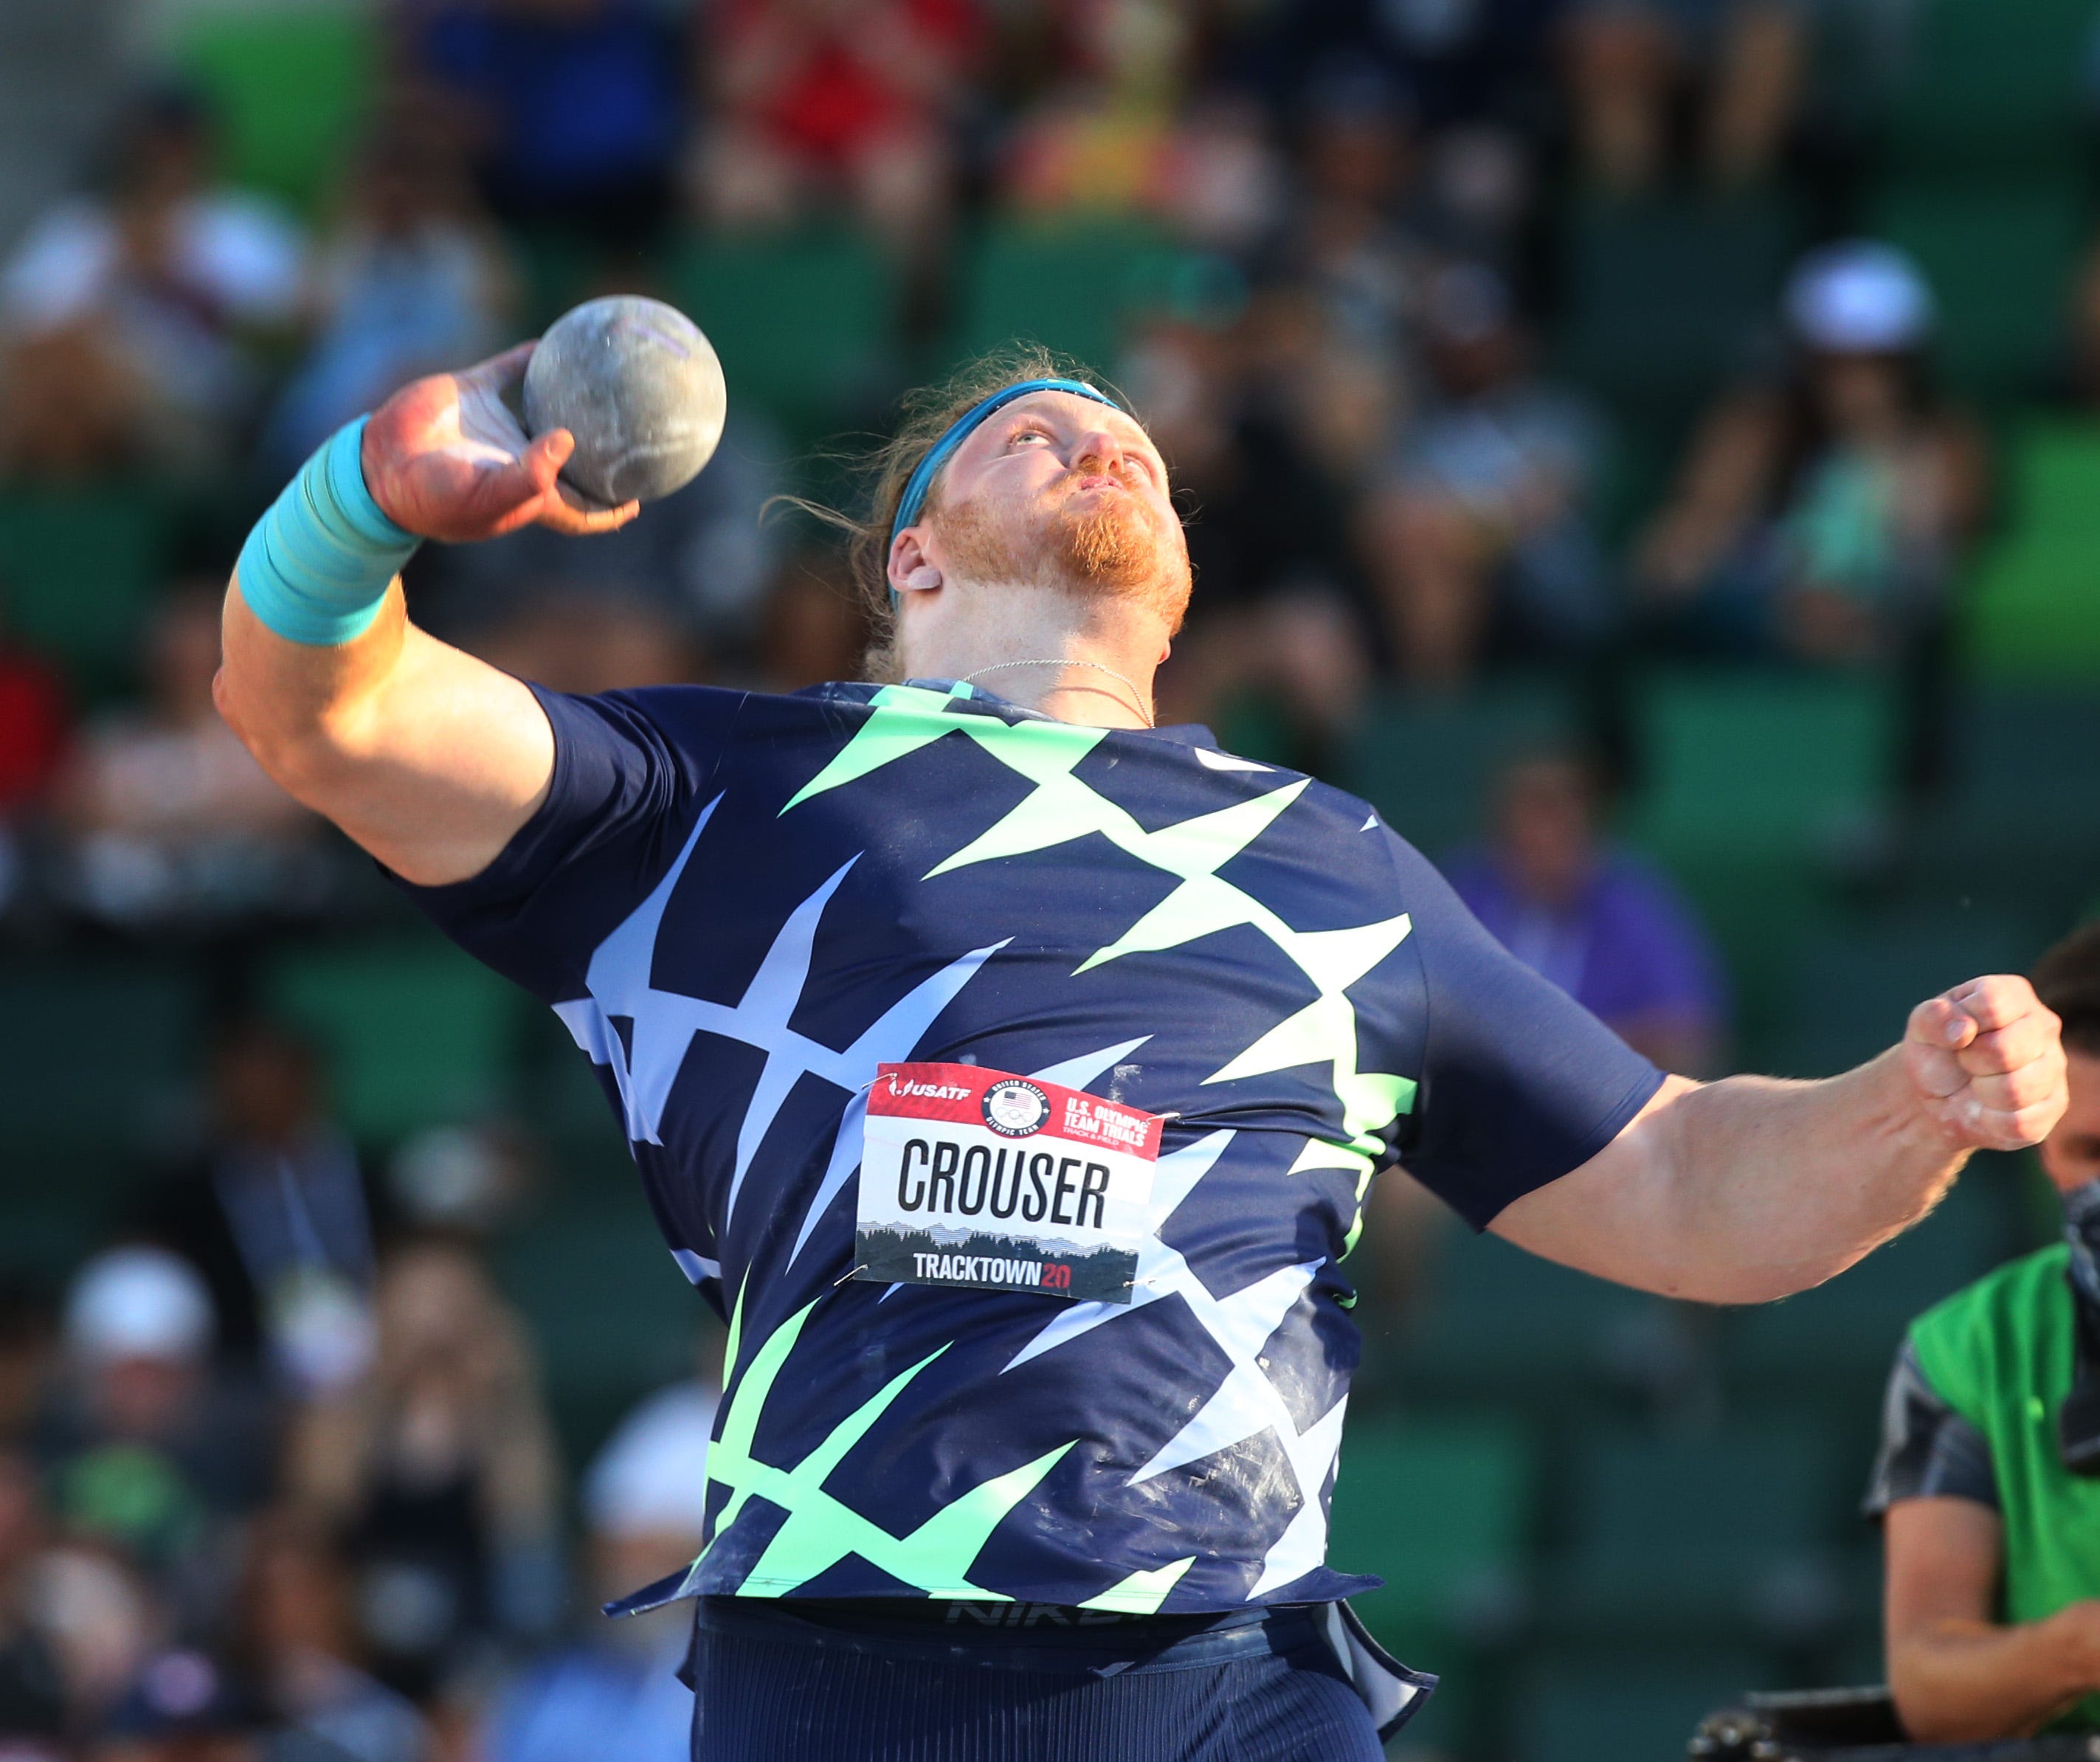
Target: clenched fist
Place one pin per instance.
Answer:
(1987, 1061)
(445, 458)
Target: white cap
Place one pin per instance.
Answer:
(138, 1303)
(1859, 297)
(652, 1477)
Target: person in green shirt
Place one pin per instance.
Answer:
(1988, 1480)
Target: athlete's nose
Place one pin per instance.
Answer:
(1098, 447)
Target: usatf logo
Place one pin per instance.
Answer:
(1014, 1108)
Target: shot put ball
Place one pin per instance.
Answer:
(638, 386)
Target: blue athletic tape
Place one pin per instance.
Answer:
(921, 480)
(316, 566)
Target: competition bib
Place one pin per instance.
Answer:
(982, 1178)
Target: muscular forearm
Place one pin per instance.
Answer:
(1767, 1187)
(1969, 1682)
(1750, 1189)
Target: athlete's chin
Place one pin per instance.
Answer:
(1111, 549)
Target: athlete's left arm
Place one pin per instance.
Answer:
(1751, 1188)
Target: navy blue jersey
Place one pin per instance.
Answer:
(742, 905)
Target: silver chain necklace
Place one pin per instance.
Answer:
(1137, 696)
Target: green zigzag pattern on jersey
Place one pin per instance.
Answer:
(1062, 807)
(820, 1532)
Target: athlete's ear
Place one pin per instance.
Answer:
(909, 571)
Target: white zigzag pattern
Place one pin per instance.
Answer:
(1246, 1403)
(664, 1022)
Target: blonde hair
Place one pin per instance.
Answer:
(927, 414)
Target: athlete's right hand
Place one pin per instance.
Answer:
(445, 458)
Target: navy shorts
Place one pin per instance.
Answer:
(776, 1683)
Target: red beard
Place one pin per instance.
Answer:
(1113, 549)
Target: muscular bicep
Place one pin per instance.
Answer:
(429, 759)
(1945, 1555)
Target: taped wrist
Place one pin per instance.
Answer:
(316, 567)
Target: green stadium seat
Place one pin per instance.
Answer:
(1441, 1508)
(96, 1057)
(1999, 257)
(1662, 295)
(90, 1048)
(416, 1032)
(1759, 764)
(1497, 1324)
(1070, 285)
(1840, 1338)
(2033, 604)
(1606, 1706)
(612, 1316)
(78, 566)
(290, 87)
(1985, 86)
(2024, 769)
(1725, 1533)
(1427, 763)
(804, 325)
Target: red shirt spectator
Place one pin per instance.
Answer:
(33, 725)
(829, 81)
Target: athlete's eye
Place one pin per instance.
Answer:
(1029, 434)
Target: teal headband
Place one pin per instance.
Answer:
(910, 504)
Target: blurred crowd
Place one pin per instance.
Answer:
(276, 1471)
(1390, 485)
(277, 1475)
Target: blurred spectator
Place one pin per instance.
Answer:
(1464, 64)
(273, 1214)
(1346, 239)
(298, 1637)
(571, 107)
(27, 1345)
(170, 820)
(438, 1467)
(70, 410)
(155, 288)
(1606, 927)
(1223, 183)
(464, 1181)
(410, 281)
(1821, 517)
(184, 1707)
(32, 723)
(1278, 611)
(32, 731)
(144, 1449)
(33, 1689)
(830, 100)
(1480, 534)
(102, 1622)
(1101, 138)
(1630, 63)
(617, 1693)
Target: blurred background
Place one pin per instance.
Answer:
(1651, 448)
